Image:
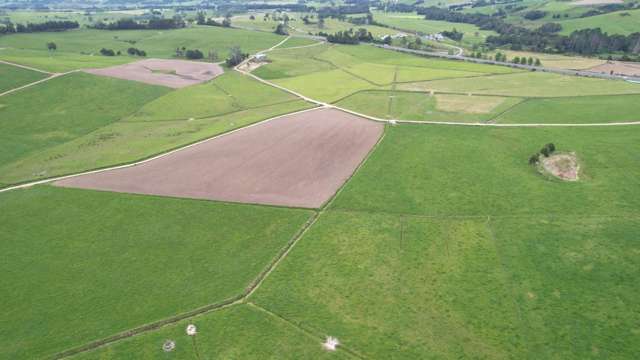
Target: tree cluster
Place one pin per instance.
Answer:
(201, 19)
(236, 56)
(136, 52)
(544, 38)
(108, 52)
(281, 29)
(546, 151)
(534, 15)
(454, 34)
(349, 37)
(47, 26)
(130, 24)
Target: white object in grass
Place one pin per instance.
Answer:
(331, 343)
(191, 330)
(168, 345)
(392, 122)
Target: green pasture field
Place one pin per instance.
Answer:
(403, 105)
(583, 109)
(159, 44)
(612, 23)
(528, 84)
(410, 287)
(12, 77)
(59, 110)
(326, 86)
(227, 93)
(332, 72)
(447, 244)
(297, 42)
(83, 265)
(133, 134)
(416, 23)
(469, 171)
(240, 332)
(61, 61)
(556, 61)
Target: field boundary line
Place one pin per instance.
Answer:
(320, 42)
(484, 216)
(310, 333)
(155, 157)
(236, 300)
(50, 77)
(255, 284)
(26, 67)
(427, 122)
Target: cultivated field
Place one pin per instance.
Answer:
(170, 73)
(297, 160)
(129, 126)
(264, 210)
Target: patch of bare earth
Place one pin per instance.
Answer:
(564, 166)
(618, 68)
(297, 160)
(171, 73)
(249, 66)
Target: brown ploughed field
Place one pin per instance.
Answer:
(297, 160)
(170, 73)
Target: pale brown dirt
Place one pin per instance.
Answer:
(171, 73)
(563, 166)
(618, 67)
(298, 160)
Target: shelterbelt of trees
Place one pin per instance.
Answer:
(544, 38)
(130, 24)
(10, 28)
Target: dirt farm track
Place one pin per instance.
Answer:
(297, 160)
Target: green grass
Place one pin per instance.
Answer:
(228, 93)
(158, 44)
(528, 84)
(60, 61)
(585, 109)
(127, 141)
(297, 42)
(326, 86)
(12, 77)
(416, 23)
(424, 107)
(463, 171)
(82, 265)
(396, 287)
(63, 109)
(447, 244)
(612, 23)
(240, 332)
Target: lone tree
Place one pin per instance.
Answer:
(51, 46)
(548, 149)
(534, 159)
(236, 56)
(281, 29)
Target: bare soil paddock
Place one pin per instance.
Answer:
(170, 73)
(618, 68)
(298, 160)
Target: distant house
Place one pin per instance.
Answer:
(434, 37)
(260, 57)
